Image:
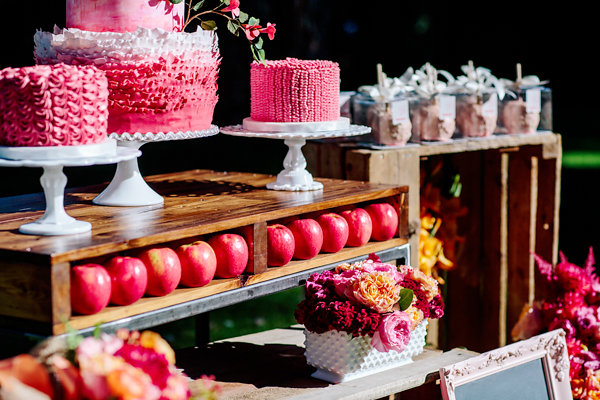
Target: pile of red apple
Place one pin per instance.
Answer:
(123, 280)
(329, 232)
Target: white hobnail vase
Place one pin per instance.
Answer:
(339, 357)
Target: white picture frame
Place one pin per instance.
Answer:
(516, 371)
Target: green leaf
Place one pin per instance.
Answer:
(259, 43)
(243, 17)
(175, 1)
(208, 25)
(97, 330)
(406, 298)
(233, 27)
(197, 6)
(254, 21)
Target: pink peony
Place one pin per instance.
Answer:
(393, 332)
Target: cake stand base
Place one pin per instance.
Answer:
(128, 187)
(294, 176)
(55, 220)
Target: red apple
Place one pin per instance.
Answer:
(280, 245)
(90, 288)
(198, 263)
(359, 225)
(385, 220)
(308, 237)
(335, 231)
(129, 279)
(164, 270)
(232, 255)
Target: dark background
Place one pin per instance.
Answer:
(556, 43)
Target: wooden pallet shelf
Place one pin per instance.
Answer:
(34, 270)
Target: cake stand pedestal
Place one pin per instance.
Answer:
(294, 176)
(128, 187)
(55, 220)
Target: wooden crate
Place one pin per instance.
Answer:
(35, 270)
(511, 186)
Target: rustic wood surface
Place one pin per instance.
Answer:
(196, 203)
(271, 365)
(34, 270)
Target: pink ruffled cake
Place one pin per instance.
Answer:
(124, 15)
(293, 90)
(158, 81)
(58, 105)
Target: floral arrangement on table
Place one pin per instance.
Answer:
(573, 304)
(370, 298)
(238, 22)
(125, 365)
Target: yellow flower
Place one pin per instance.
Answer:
(416, 315)
(377, 290)
(130, 383)
(153, 340)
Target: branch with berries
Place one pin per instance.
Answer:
(238, 22)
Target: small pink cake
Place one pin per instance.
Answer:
(53, 105)
(124, 15)
(293, 90)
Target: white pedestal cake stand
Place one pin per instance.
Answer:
(128, 187)
(55, 220)
(294, 176)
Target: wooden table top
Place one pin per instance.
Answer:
(197, 202)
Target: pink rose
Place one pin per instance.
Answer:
(393, 332)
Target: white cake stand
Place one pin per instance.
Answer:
(128, 187)
(294, 176)
(55, 220)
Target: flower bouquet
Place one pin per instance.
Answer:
(573, 304)
(365, 317)
(126, 365)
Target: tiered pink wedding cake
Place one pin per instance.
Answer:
(159, 80)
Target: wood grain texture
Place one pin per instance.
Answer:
(196, 203)
(35, 270)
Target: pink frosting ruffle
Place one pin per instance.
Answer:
(293, 90)
(58, 105)
(178, 81)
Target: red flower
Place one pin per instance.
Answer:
(269, 30)
(234, 7)
(252, 31)
(149, 361)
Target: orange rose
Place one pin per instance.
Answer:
(377, 290)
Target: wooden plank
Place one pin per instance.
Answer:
(492, 257)
(522, 213)
(61, 292)
(146, 304)
(213, 203)
(548, 205)
(324, 259)
(25, 291)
